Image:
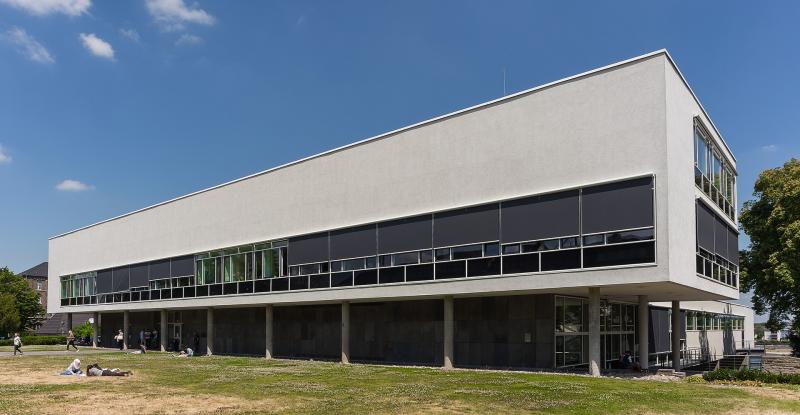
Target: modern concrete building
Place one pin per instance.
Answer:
(534, 230)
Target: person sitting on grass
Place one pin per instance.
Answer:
(95, 370)
(73, 369)
(626, 362)
(187, 352)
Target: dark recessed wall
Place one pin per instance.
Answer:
(408, 332)
(512, 331)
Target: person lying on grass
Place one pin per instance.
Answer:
(95, 370)
(187, 352)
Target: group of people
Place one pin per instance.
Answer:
(94, 369)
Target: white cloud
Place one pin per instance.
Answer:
(173, 15)
(131, 34)
(70, 185)
(188, 40)
(97, 46)
(27, 45)
(45, 7)
(771, 148)
(4, 157)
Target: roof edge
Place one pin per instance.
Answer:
(417, 125)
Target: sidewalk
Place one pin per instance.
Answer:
(83, 351)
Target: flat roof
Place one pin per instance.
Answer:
(430, 121)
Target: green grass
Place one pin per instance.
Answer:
(321, 387)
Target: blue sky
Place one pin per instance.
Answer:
(110, 106)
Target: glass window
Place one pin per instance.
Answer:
(492, 249)
(405, 258)
(510, 249)
(547, 245)
(631, 236)
(569, 242)
(336, 266)
(592, 240)
(717, 171)
(426, 256)
(559, 314)
(443, 254)
(271, 265)
(372, 262)
(573, 315)
(309, 269)
(353, 264)
(385, 260)
(469, 251)
(235, 266)
(702, 152)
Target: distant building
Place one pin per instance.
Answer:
(37, 280)
(53, 324)
(780, 335)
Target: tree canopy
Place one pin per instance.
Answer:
(770, 267)
(16, 294)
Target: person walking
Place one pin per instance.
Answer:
(17, 344)
(155, 338)
(71, 340)
(196, 341)
(119, 338)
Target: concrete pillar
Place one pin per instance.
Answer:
(162, 332)
(69, 322)
(448, 332)
(268, 330)
(345, 332)
(594, 331)
(644, 327)
(126, 316)
(676, 335)
(210, 332)
(95, 322)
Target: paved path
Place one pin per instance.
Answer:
(83, 351)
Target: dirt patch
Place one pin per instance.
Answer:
(157, 402)
(774, 393)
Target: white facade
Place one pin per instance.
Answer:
(626, 120)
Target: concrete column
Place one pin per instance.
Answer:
(594, 331)
(345, 332)
(448, 332)
(210, 332)
(126, 316)
(676, 335)
(268, 330)
(95, 322)
(644, 327)
(69, 322)
(162, 332)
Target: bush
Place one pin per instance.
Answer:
(34, 340)
(751, 375)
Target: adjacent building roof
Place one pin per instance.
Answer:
(39, 271)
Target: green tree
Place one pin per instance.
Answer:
(9, 316)
(29, 311)
(771, 265)
(82, 331)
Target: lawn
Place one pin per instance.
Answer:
(238, 385)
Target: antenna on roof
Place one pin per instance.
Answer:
(504, 80)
